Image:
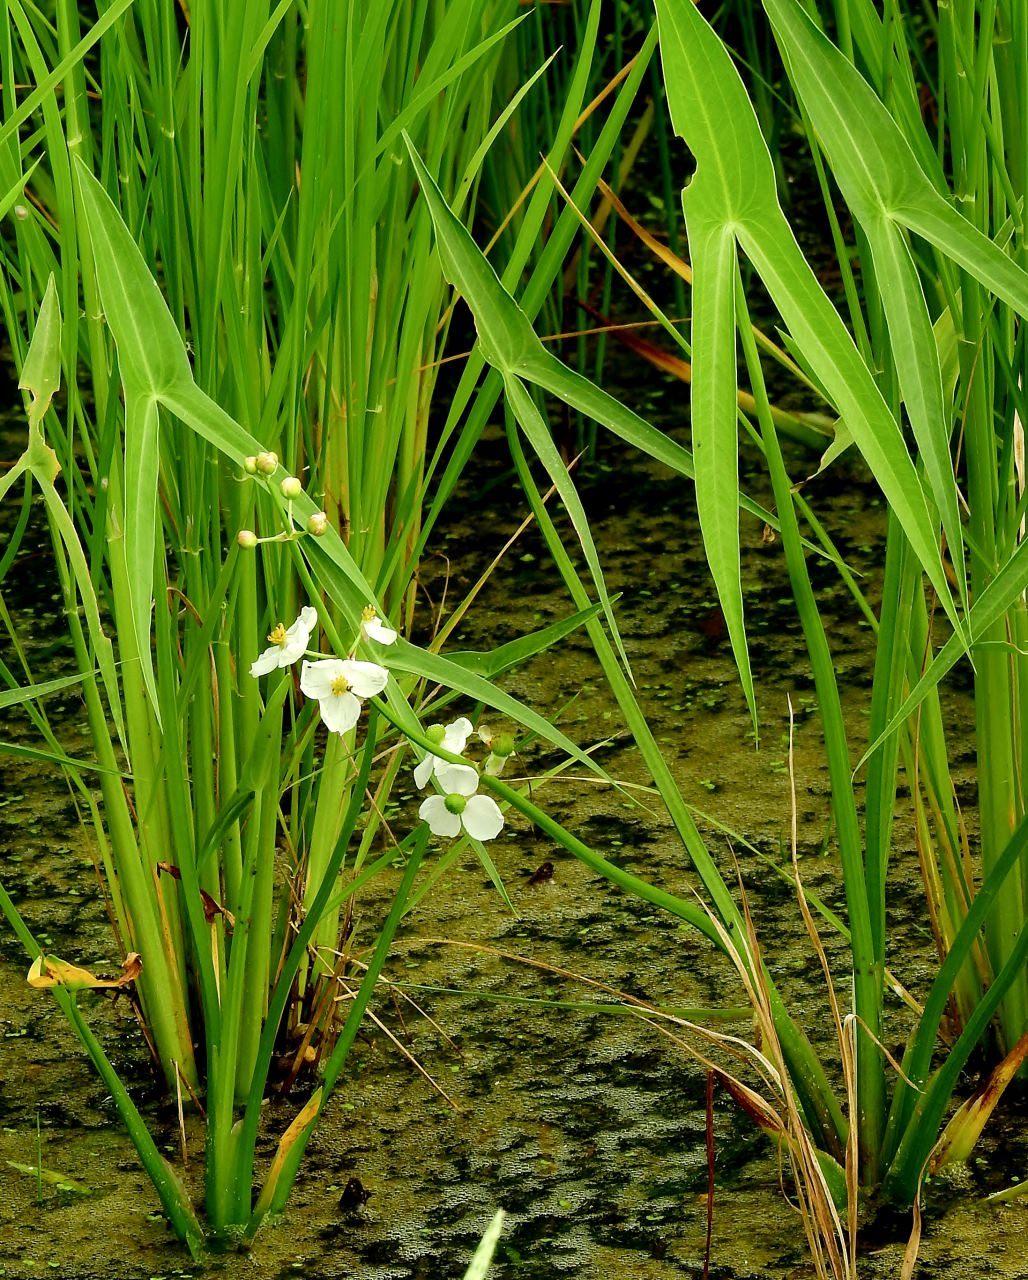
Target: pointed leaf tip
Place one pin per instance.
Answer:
(505, 334)
(41, 372)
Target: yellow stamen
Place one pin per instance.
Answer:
(278, 636)
(340, 685)
(369, 613)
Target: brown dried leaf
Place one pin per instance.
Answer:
(212, 909)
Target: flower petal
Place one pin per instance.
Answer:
(340, 711)
(423, 772)
(366, 678)
(268, 661)
(456, 734)
(316, 677)
(298, 636)
(482, 818)
(441, 821)
(457, 779)
(375, 629)
(293, 649)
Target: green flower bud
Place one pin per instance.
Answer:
(291, 487)
(247, 539)
(267, 463)
(503, 745)
(318, 524)
(250, 465)
(435, 734)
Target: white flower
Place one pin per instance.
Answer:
(373, 628)
(453, 739)
(480, 816)
(501, 748)
(286, 644)
(339, 684)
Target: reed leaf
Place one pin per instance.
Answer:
(733, 194)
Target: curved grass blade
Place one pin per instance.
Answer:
(8, 201)
(1002, 592)
(41, 371)
(74, 56)
(875, 164)
(531, 422)
(151, 354)
(53, 757)
(152, 359)
(403, 656)
(542, 368)
(734, 190)
(508, 342)
(41, 376)
(715, 439)
(480, 1263)
(885, 188)
(505, 656)
(28, 693)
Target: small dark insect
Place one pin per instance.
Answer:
(354, 1197)
(542, 874)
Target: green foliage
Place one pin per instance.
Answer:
(877, 152)
(243, 282)
(233, 249)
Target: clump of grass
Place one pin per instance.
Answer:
(972, 572)
(215, 251)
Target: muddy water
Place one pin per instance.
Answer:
(587, 1127)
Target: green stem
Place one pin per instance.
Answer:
(867, 967)
(280, 1183)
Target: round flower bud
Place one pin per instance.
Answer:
(503, 745)
(291, 487)
(318, 524)
(250, 465)
(435, 734)
(247, 539)
(456, 804)
(267, 462)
